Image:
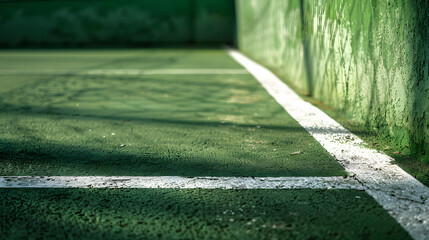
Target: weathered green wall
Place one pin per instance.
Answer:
(368, 58)
(115, 22)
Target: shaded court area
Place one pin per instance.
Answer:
(94, 112)
(194, 214)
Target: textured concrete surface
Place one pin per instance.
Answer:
(367, 58)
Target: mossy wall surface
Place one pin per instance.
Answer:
(115, 22)
(367, 58)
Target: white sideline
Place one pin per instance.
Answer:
(405, 198)
(178, 182)
(123, 72)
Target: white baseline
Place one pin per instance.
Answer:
(178, 182)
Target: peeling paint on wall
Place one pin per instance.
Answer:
(367, 58)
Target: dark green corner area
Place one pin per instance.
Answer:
(115, 23)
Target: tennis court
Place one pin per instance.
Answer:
(164, 113)
(188, 121)
(143, 119)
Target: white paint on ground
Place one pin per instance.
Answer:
(405, 198)
(179, 182)
(122, 72)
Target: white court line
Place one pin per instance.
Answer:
(122, 71)
(405, 198)
(164, 71)
(179, 182)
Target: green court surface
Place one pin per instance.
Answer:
(58, 118)
(193, 214)
(145, 125)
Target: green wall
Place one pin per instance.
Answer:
(367, 58)
(115, 22)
